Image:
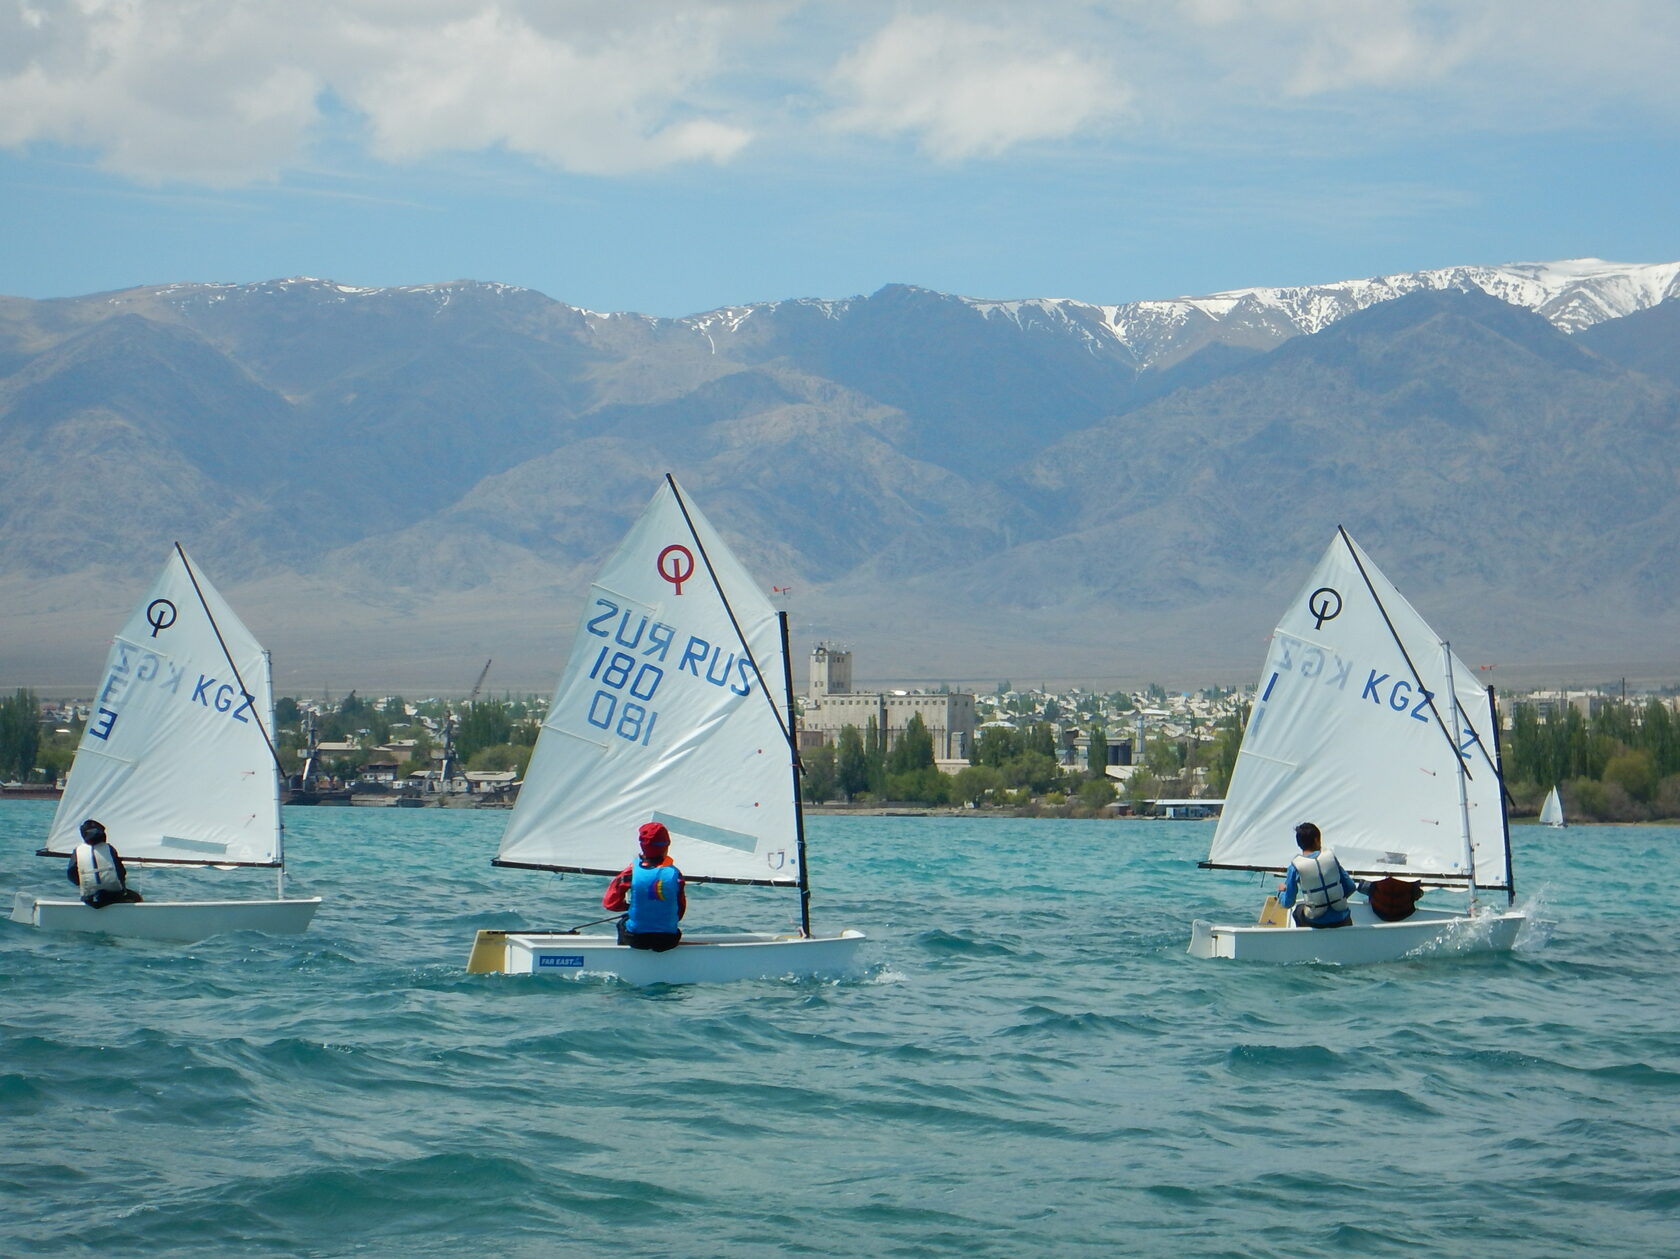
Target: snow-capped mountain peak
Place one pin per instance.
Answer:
(1573, 294)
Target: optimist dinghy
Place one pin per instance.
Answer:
(178, 763)
(1368, 725)
(676, 706)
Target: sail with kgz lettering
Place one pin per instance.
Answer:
(176, 759)
(1353, 728)
(1367, 724)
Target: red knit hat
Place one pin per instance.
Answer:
(654, 835)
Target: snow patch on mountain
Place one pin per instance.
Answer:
(1573, 294)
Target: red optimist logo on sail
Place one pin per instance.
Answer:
(675, 565)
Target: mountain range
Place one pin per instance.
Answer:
(393, 485)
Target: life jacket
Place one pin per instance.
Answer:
(655, 893)
(1392, 899)
(1318, 878)
(96, 869)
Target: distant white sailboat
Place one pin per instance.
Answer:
(178, 764)
(1551, 813)
(1367, 724)
(676, 706)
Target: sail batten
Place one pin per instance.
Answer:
(176, 754)
(664, 711)
(1355, 686)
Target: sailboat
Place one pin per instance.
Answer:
(178, 763)
(1367, 724)
(1551, 813)
(676, 706)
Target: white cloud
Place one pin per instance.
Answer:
(967, 89)
(612, 104)
(222, 92)
(1482, 54)
(229, 92)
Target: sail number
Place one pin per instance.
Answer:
(621, 706)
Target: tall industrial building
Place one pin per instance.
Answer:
(831, 705)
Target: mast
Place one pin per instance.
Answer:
(1458, 759)
(1504, 814)
(279, 814)
(798, 802)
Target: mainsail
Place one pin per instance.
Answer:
(177, 760)
(1354, 728)
(671, 708)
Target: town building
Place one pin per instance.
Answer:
(831, 705)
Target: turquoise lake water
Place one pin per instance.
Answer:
(1033, 1066)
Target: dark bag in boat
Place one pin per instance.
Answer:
(1392, 899)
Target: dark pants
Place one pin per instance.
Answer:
(657, 941)
(101, 899)
(1301, 920)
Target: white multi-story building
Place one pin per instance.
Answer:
(831, 705)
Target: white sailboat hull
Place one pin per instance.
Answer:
(698, 959)
(166, 920)
(1368, 940)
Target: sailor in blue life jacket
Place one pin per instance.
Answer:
(98, 871)
(1320, 881)
(651, 889)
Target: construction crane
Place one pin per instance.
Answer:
(450, 763)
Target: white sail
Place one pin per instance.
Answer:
(176, 758)
(665, 713)
(1551, 813)
(1352, 729)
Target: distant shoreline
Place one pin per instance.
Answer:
(913, 810)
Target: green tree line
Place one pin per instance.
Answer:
(488, 734)
(20, 736)
(28, 751)
(1622, 764)
(1007, 767)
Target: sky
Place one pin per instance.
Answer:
(676, 156)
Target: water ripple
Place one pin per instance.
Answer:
(1031, 1067)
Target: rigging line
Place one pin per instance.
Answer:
(228, 656)
(1481, 746)
(593, 922)
(740, 636)
(1440, 722)
(798, 793)
(1504, 813)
